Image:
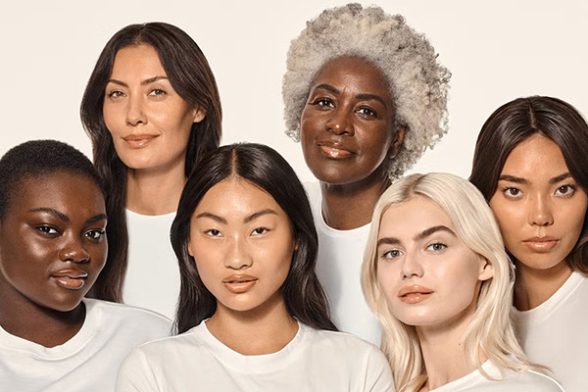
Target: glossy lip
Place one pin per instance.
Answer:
(70, 278)
(239, 284)
(334, 149)
(541, 244)
(413, 294)
(138, 141)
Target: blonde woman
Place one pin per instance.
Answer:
(436, 275)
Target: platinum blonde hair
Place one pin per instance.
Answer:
(490, 333)
(418, 83)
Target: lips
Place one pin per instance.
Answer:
(414, 294)
(139, 140)
(541, 244)
(239, 284)
(334, 150)
(72, 279)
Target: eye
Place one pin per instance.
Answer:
(157, 92)
(512, 193)
(323, 103)
(213, 233)
(436, 247)
(95, 234)
(259, 231)
(367, 112)
(391, 254)
(47, 230)
(565, 190)
(115, 94)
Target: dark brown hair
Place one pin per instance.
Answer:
(265, 168)
(516, 121)
(190, 75)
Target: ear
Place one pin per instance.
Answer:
(199, 114)
(397, 142)
(486, 270)
(190, 251)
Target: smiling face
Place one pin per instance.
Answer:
(539, 206)
(429, 277)
(347, 125)
(52, 241)
(149, 122)
(242, 242)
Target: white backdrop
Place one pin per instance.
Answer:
(497, 51)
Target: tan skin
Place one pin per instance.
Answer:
(348, 138)
(52, 248)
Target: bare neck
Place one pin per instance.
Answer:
(347, 207)
(443, 351)
(155, 192)
(263, 330)
(533, 286)
(43, 326)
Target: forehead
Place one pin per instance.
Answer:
(139, 59)
(355, 72)
(536, 157)
(407, 219)
(61, 190)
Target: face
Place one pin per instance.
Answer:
(430, 278)
(539, 206)
(149, 122)
(242, 242)
(347, 130)
(52, 241)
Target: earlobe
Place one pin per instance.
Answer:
(486, 270)
(199, 114)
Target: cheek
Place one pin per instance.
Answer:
(387, 277)
(112, 119)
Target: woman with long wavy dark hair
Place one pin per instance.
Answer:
(151, 109)
(252, 315)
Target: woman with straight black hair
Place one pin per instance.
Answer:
(151, 109)
(252, 314)
(531, 165)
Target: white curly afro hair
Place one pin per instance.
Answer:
(417, 81)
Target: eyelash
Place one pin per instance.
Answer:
(260, 231)
(508, 191)
(431, 247)
(47, 230)
(90, 234)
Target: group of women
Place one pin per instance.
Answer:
(463, 285)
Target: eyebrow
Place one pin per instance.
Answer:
(361, 96)
(247, 219)
(420, 236)
(143, 83)
(520, 180)
(65, 218)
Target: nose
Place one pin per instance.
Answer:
(540, 211)
(135, 114)
(411, 266)
(340, 122)
(74, 251)
(238, 256)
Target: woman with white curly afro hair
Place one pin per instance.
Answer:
(365, 96)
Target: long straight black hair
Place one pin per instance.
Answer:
(191, 76)
(264, 167)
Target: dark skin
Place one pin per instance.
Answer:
(52, 248)
(348, 137)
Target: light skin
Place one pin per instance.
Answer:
(348, 137)
(431, 280)
(52, 248)
(150, 125)
(242, 243)
(540, 209)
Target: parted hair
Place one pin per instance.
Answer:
(418, 82)
(265, 168)
(490, 332)
(190, 75)
(515, 122)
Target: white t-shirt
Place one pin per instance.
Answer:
(89, 361)
(555, 333)
(338, 268)
(314, 360)
(504, 381)
(152, 280)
